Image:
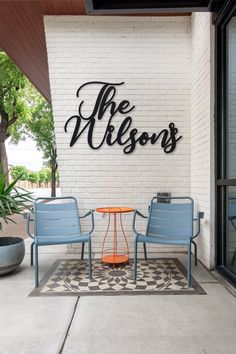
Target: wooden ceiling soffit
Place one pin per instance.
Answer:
(22, 34)
(62, 7)
(22, 38)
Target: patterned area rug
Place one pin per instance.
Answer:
(155, 276)
(163, 276)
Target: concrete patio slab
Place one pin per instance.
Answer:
(30, 325)
(155, 324)
(131, 324)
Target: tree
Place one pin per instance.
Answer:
(13, 104)
(57, 177)
(19, 172)
(42, 176)
(41, 129)
(33, 177)
(24, 112)
(48, 175)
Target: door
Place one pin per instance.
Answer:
(226, 145)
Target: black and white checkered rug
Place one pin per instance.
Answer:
(155, 276)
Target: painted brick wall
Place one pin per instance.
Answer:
(202, 131)
(152, 56)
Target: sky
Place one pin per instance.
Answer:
(25, 154)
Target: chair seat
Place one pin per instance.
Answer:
(184, 241)
(54, 240)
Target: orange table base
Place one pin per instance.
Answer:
(115, 255)
(115, 259)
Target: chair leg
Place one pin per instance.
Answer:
(135, 259)
(145, 251)
(195, 251)
(90, 259)
(82, 251)
(189, 266)
(32, 254)
(36, 267)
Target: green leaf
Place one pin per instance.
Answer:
(11, 186)
(12, 199)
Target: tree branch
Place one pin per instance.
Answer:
(11, 121)
(14, 118)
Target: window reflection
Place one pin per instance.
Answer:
(231, 98)
(231, 230)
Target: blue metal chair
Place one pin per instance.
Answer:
(57, 221)
(169, 224)
(165, 198)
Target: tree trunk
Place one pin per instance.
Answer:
(53, 183)
(3, 137)
(54, 173)
(3, 157)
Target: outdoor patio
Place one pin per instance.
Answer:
(111, 324)
(118, 147)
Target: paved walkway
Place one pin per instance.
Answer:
(191, 324)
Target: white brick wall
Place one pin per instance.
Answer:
(152, 56)
(202, 131)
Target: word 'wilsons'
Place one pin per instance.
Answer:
(125, 135)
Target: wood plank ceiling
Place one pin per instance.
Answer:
(22, 35)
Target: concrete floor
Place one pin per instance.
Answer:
(109, 325)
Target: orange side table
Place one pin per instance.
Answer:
(115, 255)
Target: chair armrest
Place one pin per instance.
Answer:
(137, 212)
(90, 212)
(198, 219)
(28, 219)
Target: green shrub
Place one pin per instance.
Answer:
(20, 173)
(33, 177)
(12, 200)
(42, 176)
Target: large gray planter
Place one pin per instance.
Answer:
(12, 251)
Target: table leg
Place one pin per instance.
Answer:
(122, 228)
(104, 240)
(115, 242)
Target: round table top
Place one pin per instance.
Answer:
(115, 210)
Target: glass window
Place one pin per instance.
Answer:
(231, 99)
(231, 229)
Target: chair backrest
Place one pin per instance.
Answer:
(173, 220)
(56, 217)
(232, 212)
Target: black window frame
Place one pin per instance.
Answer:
(220, 20)
(99, 7)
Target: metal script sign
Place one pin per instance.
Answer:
(125, 135)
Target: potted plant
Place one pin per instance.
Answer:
(12, 201)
